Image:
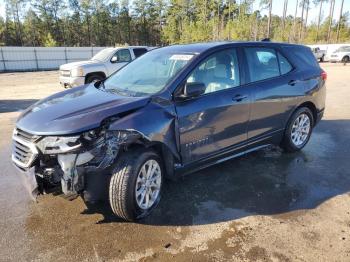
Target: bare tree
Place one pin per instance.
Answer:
(306, 17)
(331, 11)
(320, 2)
(340, 19)
(267, 4)
(302, 3)
(269, 20)
(284, 14)
(295, 20)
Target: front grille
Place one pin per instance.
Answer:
(24, 152)
(25, 135)
(65, 73)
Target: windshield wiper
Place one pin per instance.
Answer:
(125, 92)
(121, 92)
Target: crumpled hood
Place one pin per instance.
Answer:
(86, 63)
(75, 110)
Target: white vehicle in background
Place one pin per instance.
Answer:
(318, 53)
(100, 66)
(342, 54)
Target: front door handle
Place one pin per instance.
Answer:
(239, 98)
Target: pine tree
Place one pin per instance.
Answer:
(49, 41)
(161, 22)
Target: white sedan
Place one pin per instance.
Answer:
(342, 54)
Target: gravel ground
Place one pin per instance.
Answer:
(266, 206)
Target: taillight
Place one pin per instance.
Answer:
(324, 75)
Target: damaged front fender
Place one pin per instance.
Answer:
(155, 123)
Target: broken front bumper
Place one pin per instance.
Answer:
(62, 162)
(29, 181)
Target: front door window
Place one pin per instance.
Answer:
(218, 72)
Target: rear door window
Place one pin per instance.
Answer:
(262, 63)
(139, 51)
(123, 55)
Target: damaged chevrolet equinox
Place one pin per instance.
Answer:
(174, 110)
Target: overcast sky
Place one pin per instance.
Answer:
(277, 8)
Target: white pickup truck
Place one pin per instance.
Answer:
(100, 66)
(318, 53)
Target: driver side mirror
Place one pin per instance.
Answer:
(114, 59)
(192, 90)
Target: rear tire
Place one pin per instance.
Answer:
(125, 188)
(93, 78)
(346, 60)
(298, 130)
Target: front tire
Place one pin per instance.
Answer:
(298, 130)
(135, 185)
(93, 79)
(322, 59)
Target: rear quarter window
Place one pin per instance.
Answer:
(285, 66)
(303, 56)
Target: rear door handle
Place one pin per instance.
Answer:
(292, 82)
(239, 98)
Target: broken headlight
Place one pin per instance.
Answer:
(59, 144)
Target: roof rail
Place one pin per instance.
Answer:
(265, 40)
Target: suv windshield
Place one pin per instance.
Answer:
(103, 55)
(147, 74)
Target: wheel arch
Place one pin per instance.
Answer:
(99, 73)
(310, 105)
(307, 104)
(162, 150)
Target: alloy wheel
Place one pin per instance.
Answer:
(301, 129)
(148, 184)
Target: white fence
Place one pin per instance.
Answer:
(42, 58)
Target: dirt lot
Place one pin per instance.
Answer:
(266, 206)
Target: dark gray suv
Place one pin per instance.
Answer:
(172, 111)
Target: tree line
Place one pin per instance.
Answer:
(161, 22)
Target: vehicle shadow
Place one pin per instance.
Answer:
(266, 182)
(7, 106)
